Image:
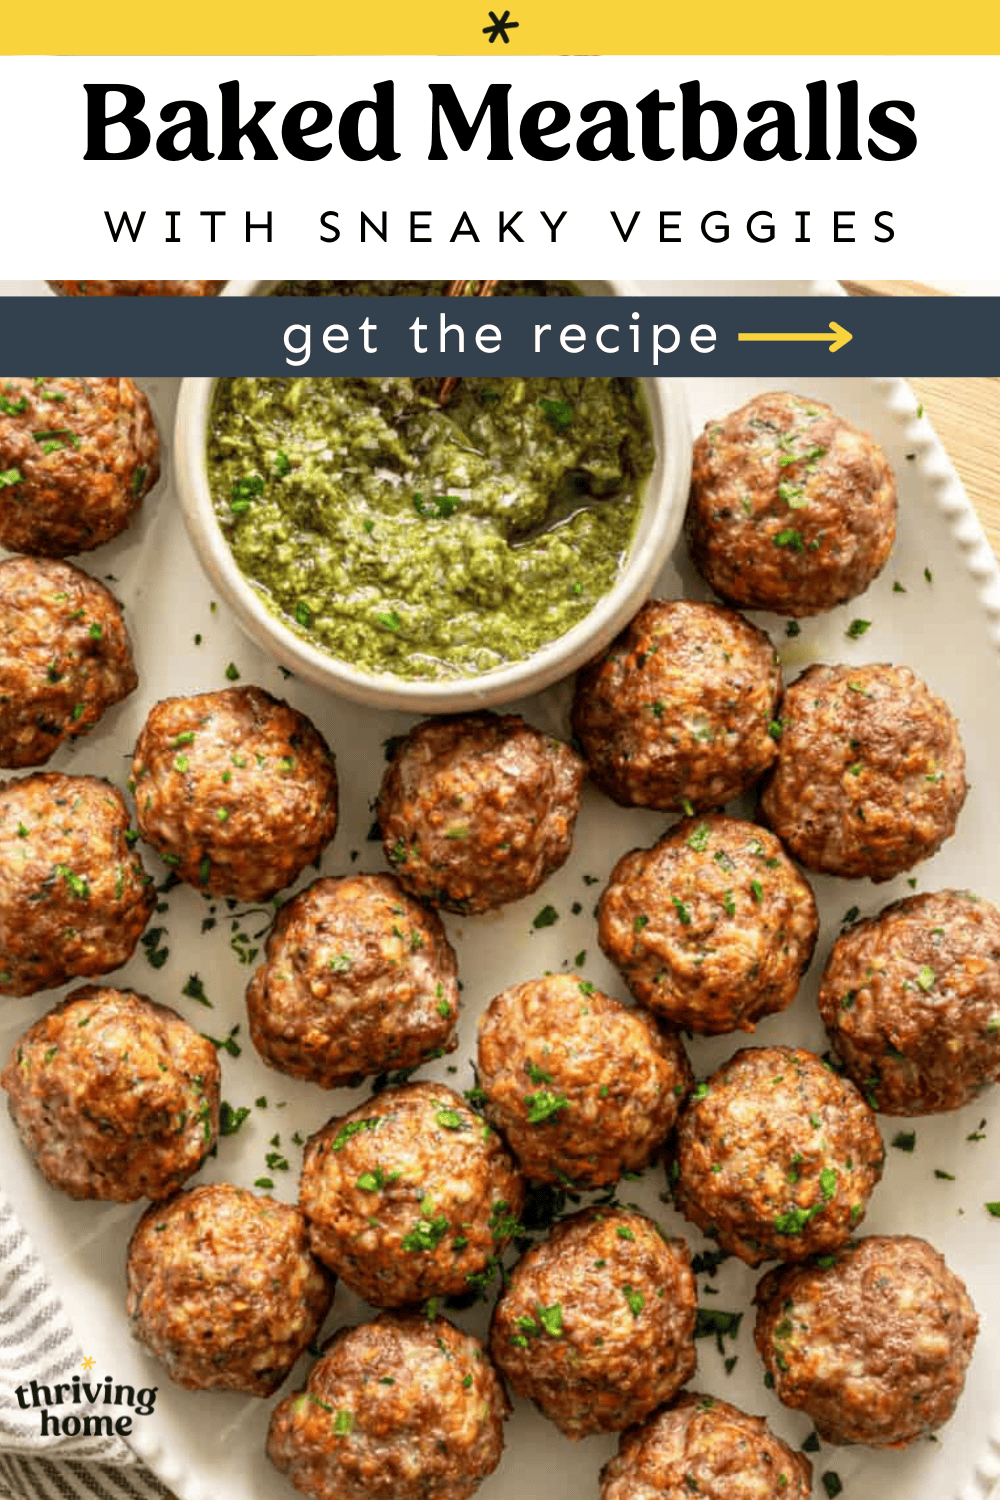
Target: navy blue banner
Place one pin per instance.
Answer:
(787, 336)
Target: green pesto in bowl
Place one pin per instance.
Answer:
(385, 528)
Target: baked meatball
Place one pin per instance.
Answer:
(65, 657)
(872, 1341)
(404, 1408)
(359, 978)
(713, 927)
(235, 790)
(700, 1445)
(223, 1289)
(478, 809)
(870, 776)
(791, 508)
(114, 1096)
(74, 897)
(596, 1325)
(137, 288)
(76, 458)
(580, 1087)
(776, 1156)
(911, 1001)
(677, 713)
(409, 1196)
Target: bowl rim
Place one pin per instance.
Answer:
(657, 529)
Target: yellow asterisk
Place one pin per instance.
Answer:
(87, 1363)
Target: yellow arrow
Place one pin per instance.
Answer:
(837, 338)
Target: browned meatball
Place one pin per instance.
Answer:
(580, 1086)
(358, 978)
(114, 1096)
(400, 1409)
(76, 458)
(677, 713)
(776, 1156)
(713, 927)
(702, 1446)
(870, 777)
(478, 809)
(223, 1289)
(791, 509)
(65, 657)
(137, 288)
(597, 1323)
(409, 1196)
(235, 790)
(911, 1000)
(74, 897)
(872, 1342)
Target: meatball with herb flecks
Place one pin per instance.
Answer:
(65, 657)
(713, 927)
(596, 1325)
(870, 776)
(582, 1088)
(359, 978)
(872, 1342)
(77, 455)
(114, 1096)
(776, 1156)
(411, 1195)
(678, 713)
(911, 1001)
(235, 790)
(223, 1289)
(699, 1445)
(137, 288)
(476, 810)
(792, 509)
(74, 898)
(404, 1408)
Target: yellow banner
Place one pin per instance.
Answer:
(490, 28)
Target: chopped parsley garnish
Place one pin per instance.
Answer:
(544, 1105)
(231, 1119)
(558, 414)
(282, 464)
(195, 990)
(436, 507)
(698, 841)
(343, 1423)
(427, 1234)
(857, 628)
(389, 621)
(832, 1483)
(926, 978)
(905, 1140)
(232, 672)
(787, 537)
(547, 917)
(449, 1119)
(78, 884)
(354, 1127)
(683, 913)
(635, 1300)
(246, 488)
(551, 1319)
(712, 1322)
(303, 614)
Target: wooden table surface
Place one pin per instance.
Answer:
(965, 414)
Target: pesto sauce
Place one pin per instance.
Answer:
(383, 528)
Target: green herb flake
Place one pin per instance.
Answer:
(698, 841)
(857, 628)
(547, 917)
(354, 1127)
(558, 414)
(832, 1483)
(231, 1119)
(544, 1105)
(195, 990)
(635, 1300)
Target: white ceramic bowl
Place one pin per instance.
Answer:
(657, 530)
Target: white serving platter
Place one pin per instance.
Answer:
(948, 629)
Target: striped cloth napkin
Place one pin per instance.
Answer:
(37, 1343)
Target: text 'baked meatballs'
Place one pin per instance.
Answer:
(65, 657)
(911, 1001)
(409, 1196)
(74, 897)
(713, 927)
(597, 1323)
(114, 1096)
(223, 1289)
(581, 1087)
(405, 1408)
(791, 508)
(776, 1156)
(359, 978)
(77, 456)
(235, 790)
(677, 713)
(478, 809)
(872, 1342)
(702, 1446)
(870, 776)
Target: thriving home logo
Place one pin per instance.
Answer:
(89, 1422)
